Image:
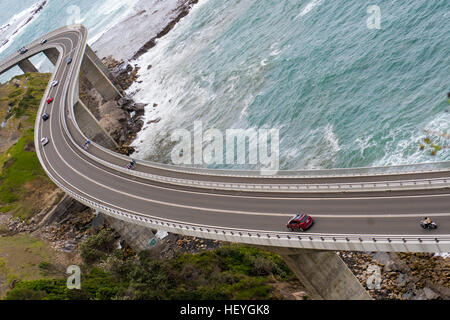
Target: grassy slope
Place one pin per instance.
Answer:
(22, 178)
(22, 257)
(227, 273)
(232, 272)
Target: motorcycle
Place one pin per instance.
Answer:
(86, 145)
(131, 165)
(432, 225)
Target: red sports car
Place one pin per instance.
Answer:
(300, 222)
(49, 100)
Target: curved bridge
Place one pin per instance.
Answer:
(367, 209)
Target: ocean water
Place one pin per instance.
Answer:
(341, 94)
(19, 24)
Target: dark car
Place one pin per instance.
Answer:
(301, 222)
(45, 116)
(23, 50)
(69, 60)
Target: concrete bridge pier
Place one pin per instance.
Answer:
(97, 74)
(90, 126)
(52, 54)
(323, 273)
(95, 59)
(26, 66)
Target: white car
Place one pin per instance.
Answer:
(43, 41)
(44, 141)
(54, 83)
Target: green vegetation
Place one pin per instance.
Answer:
(229, 272)
(97, 247)
(20, 166)
(21, 175)
(24, 257)
(97, 285)
(24, 101)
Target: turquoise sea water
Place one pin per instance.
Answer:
(97, 16)
(342, 95)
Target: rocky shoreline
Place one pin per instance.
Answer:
(122, 118)
(183, 11)
(67, 223)
(404, 276)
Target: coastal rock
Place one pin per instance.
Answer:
(401, 279)
(124, 101)
(139, 107)
(430, 294)
(154, 120)
(389, 266)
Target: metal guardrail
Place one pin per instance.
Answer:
(248, 236)
(267, 237)
(289, 188)
(313, 173)
(317, 173)
(354, 241)
(293, 188)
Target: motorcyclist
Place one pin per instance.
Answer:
(427, 221)
(87, 144)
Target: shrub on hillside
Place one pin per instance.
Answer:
(97, 247)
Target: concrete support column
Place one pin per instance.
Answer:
(95, 59)
(94, 74)
(137, 237)
(52, 54)
(323, 273)
(26, 66)
(91, 128)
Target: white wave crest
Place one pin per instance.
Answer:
(18, 23)
(309, 7)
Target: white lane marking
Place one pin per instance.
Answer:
(222, 210)
(146, 215)
(211, 195)
(76, 32)
(255, 197)
(217, 210)
(184, 206)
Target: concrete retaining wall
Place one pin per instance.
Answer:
(91, 128)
